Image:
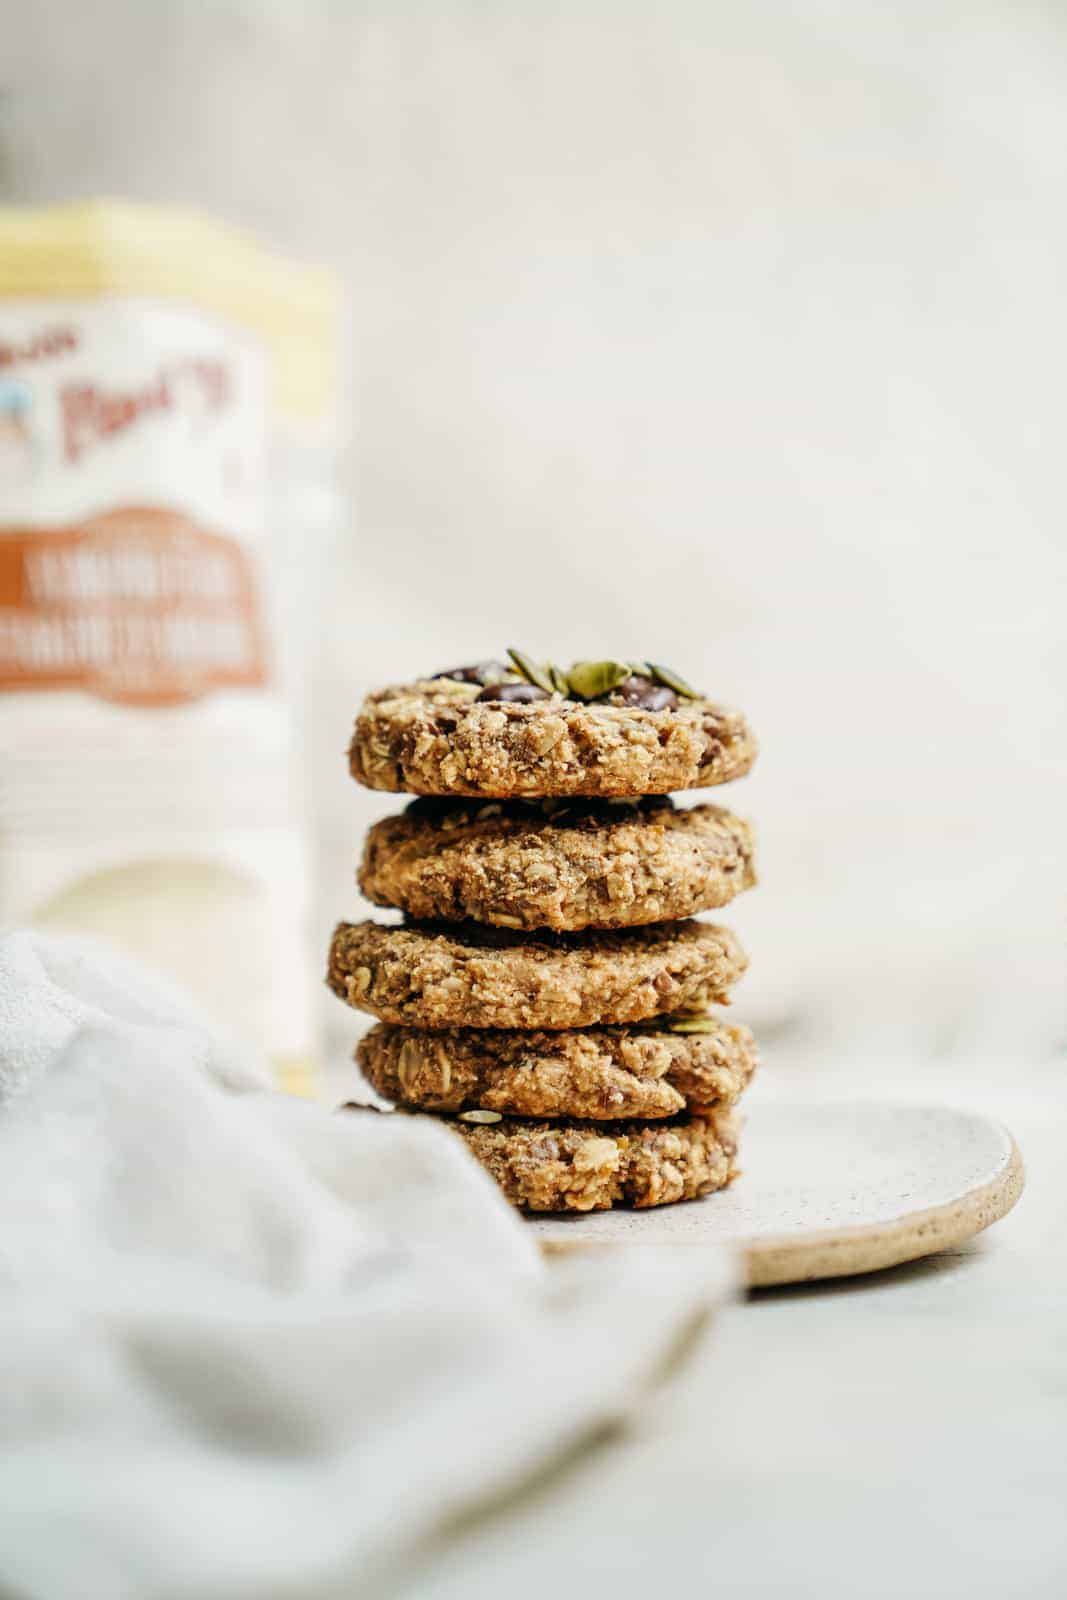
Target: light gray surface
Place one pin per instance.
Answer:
(899, 1434)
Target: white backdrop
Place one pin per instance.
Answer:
(731, 335)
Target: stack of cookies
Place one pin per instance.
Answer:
(547, 992)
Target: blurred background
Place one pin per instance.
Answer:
(727, 335)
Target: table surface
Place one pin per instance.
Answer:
(899, 1434)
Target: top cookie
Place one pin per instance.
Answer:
(602, 729)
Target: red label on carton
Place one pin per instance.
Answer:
(140, 605)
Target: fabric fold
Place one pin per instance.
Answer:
(253, 1347)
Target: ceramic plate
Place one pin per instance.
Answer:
(833, 1189)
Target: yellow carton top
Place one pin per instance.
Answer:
(114, 247)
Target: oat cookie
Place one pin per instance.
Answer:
(441, 736)
(591, 1166)
(599, 1073)
(563, 864)
(427, 976)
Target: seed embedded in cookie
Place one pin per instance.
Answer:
(559, 864)
(640, 1071)
(511, 738)
(592, 1166)
(427, 976)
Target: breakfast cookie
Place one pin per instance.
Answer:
(563, 864)
(591, 1166)
(638, 1071)
(600, 729)
(427, 976)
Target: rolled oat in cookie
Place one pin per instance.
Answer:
(455, 735)
(562, 864)
(644, 1070)
(429, 976)
(592, 1166)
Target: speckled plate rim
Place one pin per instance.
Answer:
(842, 1251)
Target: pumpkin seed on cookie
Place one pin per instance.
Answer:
(532, 671)
(590, 680)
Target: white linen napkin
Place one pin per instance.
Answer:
(250, 1347)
